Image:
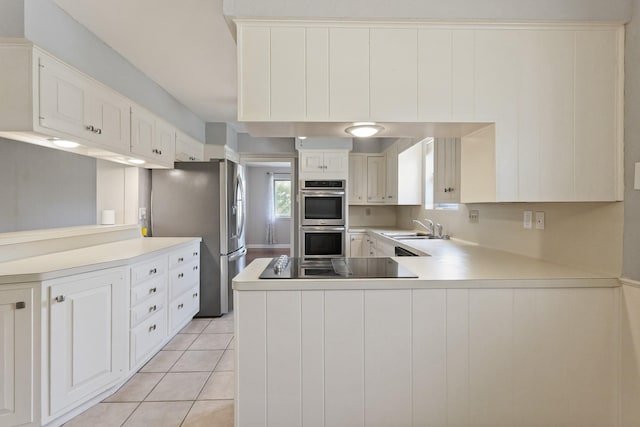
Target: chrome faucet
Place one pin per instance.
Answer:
(439, 231)
(428, 228)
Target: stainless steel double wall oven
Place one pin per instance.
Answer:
(323, 208)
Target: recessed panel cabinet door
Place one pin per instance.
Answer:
(88, 336)
(357, 179)
(376, 179)
(108, 113)
(62, 98)
(16, 357)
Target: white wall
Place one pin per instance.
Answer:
(372, 216)
(12, 21)
(117, 188)
(257, 183)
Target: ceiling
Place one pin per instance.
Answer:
(185, 46)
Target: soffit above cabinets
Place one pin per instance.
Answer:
(337, 129)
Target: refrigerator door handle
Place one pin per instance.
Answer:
(242, 252)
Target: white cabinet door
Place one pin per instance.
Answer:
(336, 163)
(349, 73)
(376, 179)
(357, 179)
(357, 243)
(446, 170)
(16, 357)
(188, 149)
(394, 74)
(254, 73)
(62, 98)
(88, 348)
(311, 162)
(164, 143)
(109, 114)
(142, 132)
(288, 69)
(391, 172)
(317, 84)
(463, 82)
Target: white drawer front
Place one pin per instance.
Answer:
(147, 337)
(148, 308)
(183, 278)
(148, 289)
(148, 270)
(184, 256)
(184, 308)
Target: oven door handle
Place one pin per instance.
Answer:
(322, 228)
(322, 193)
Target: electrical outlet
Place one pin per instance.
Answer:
(540, 220)
(142, 213)
(527, 220)
(474, 216)
(367, 211)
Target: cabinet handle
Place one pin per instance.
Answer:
(153, 290)
(195, 268)
(90, 128)
(152, 328)
(59, 298)
(99, 131)
(180, 259)
(180, 306)
(195, 254)
(195, 295)
(192, 158)
(180, 276)
(320, 167)
(153, 271)
(152, 308)
(21, 304)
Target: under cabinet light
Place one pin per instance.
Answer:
(136, 161)
(63, 143)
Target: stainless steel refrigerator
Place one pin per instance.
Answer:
(204, 199)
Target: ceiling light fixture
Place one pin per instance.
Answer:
(62, 143)
(136, 161)
(364, 129)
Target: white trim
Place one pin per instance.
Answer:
(629, 282)
(265, 246)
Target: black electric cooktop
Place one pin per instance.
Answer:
(334, 268)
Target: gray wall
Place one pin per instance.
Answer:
(49, 27)
(615, 10)
(11, 18)
(257, 203)
(45, 188)
(631, 251)
(249, 144)
(221, 134)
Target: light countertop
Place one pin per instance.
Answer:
(451, 264)
(65, 263)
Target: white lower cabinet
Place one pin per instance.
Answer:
(183, 308)
(16, 356)
(184, 287)
(147, 337)
(357, 243)
(88, 336)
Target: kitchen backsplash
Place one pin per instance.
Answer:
(583, 235)
(369, 216)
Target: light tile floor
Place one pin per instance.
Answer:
(189, 383)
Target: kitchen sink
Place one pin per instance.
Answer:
(406, 234)
(415, 237)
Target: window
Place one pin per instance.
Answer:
(282, 197)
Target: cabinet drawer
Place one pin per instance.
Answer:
(147, 336)
(148, 308)
(147, 270)
(148, 289)
(184, 307)
(183, 278)
(184, 256)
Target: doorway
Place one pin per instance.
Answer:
(271, 209)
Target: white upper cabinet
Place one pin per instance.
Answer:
(152, 139)
(391, 172)
(435, 75)
(357, 179)
(376, 179)
(446, 181)
(254, 73)
(72, 103)
(288, 68)
(393, 72)
(324, 164)
(317, 73)
(188, 149)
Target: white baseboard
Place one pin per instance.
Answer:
(264, 246)
(629, 282)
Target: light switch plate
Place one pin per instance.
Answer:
(142, 213)
(474, 216)
(540, 220)
(527, 220)
(636, 180)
